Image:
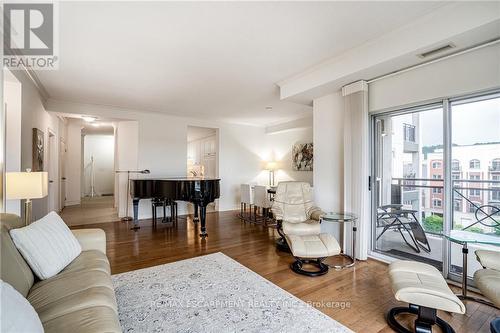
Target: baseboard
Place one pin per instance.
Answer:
(71, 203)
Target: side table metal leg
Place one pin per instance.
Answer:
(463, 295)
(354, 229)
(465, 251)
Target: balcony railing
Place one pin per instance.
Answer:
(482, 212)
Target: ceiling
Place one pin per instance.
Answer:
(216, 60)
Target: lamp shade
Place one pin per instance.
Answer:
(26, 185)
(271, 166)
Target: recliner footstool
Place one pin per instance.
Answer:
(425, 289)
(312, 249)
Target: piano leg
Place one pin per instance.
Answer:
(203, 220)
(135, 202)
(195, 219)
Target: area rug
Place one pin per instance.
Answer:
(211, 293)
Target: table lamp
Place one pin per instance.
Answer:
(271, 166)
(26, 185)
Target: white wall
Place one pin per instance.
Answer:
(328, 141)
(280, 149)
(464, 74)
(127, 143)
(12, 100)
(101, 148)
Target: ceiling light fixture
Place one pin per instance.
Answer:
(89, 119)
(96, 124)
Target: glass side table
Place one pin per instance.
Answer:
(464, 237)
(343, 218)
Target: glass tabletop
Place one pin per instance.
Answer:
(464, 236)
(339, 217)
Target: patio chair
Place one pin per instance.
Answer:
(395, 217)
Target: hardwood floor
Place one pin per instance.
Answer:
(357, 297)
(91, 210)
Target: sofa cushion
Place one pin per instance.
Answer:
(47, 245)
(87, 261)
(88, 298)
(13, 269)
(62, 287)
(16, 313)
(95, 319)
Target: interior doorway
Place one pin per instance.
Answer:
(98, 178)
(94, 142)
(203, 154)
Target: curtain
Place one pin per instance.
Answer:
(357, 164)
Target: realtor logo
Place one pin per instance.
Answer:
(29, 36)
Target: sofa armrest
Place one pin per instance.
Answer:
(316, 214)
(91, 239)
(489, 259)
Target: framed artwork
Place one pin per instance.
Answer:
(38, 149)
(302, 157)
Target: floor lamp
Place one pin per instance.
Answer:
(27, 185)
(146, 171)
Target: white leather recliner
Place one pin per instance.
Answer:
(299, 226)
(488, 279)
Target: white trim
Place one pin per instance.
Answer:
(354, 87)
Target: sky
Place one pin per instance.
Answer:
(475, 122)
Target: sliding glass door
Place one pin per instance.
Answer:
(436, 168)
(475, 172)
(409, 184)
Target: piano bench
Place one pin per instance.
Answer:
(162, 202)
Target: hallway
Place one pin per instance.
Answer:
(91, 210)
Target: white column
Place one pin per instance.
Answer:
(328, 138)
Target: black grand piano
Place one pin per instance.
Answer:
(197, 190)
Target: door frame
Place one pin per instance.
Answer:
(446, 104)
(52, 169)
(62, 174)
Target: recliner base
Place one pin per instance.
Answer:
(297, 267)
(427, 317)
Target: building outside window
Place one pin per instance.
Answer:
(409, 132)
(437, 190)
(436, 165)
(455, 165)
(495, 165)
(475, 192)
(495, 195)
(437, 202)
(474, 164)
